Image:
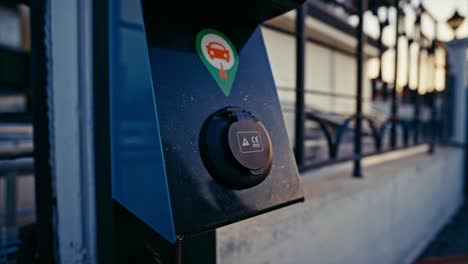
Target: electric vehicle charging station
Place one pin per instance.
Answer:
(198, 139)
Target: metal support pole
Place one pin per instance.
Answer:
(300, 83)
(381, 48)
(452, 87)
(42, 169)
(360, 68)
(103, 181)
(433, 121)
(394, 105)
(417, 101)
(11, 202)
(434, 94)
(434, 98)
(408, 91)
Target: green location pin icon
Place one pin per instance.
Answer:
(219, 56)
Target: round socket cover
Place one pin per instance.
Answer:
(236, 148)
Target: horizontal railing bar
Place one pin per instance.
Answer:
(20, 211)
(330, 162)
(17, 155)
(331, 94)
(453, 144)
(16, 117)
(19, 173)
(347, 8)
(9, 252)
(19, 166)
(311, 40)
(13, 243)
(291, 109)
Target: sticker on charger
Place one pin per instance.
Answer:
(250, 141)
(220, 57)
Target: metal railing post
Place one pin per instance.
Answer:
(300, 83)
(42, 172)
(433, 122)
(394, 104)
(434, 93)
(357, 173)
(381, 49)
(417, 99)
(101, 14)
(408, 91)
(10, 201)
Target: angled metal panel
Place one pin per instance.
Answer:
(139, 178)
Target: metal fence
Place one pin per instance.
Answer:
(15, 165)
(360, 135)
(16, 158)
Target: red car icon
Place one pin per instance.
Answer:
(217, 50)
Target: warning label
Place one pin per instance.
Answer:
(250, 141)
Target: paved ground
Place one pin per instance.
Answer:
(453, 239)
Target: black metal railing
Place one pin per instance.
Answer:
(385, 134)
(16, 179)
(12, 169)
(16, 150)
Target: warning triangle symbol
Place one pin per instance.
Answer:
(245, 143)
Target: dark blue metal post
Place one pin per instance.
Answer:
(394, 105)
(101, 92)
(360, 68)
(300, 83)
(44, 196)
